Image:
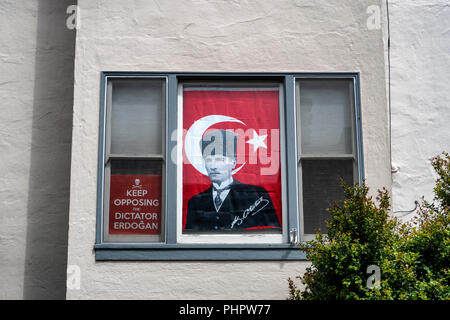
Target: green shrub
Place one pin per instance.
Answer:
(413, 258)
(428, 237)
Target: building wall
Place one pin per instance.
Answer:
(420, 95)
(211, 36)
(36, 99)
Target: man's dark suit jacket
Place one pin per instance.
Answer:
(246, 206)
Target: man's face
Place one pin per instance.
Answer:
(219, 167)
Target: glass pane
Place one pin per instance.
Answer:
(136, 119)
(325, 117)
(135, 199)
(321, 188)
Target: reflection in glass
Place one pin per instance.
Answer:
(136, 119)
(325, 113)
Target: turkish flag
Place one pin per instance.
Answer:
(252, 114)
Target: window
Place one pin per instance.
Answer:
(134, 162)
(202, 166)
(238, 125)
(326, 137)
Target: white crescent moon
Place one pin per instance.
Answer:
(194, 136)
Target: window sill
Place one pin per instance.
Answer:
(206, 252)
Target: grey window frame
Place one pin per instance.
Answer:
(355, 155)
(109, 157)
(170, 249)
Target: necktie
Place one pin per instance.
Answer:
(217, 200)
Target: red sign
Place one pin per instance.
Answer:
(135, 204)
(255, 192)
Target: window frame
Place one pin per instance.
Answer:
(234, 238)
(169, 249)
(109, 157)
(355, 117)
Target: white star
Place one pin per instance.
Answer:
(257, 141)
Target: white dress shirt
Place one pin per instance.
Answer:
(223, 194)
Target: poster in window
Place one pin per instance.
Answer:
(135, 204)
(231, 160)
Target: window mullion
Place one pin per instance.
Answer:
(291, 157)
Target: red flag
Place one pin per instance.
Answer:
(252, 114)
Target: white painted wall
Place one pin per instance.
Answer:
(214, 35)
(36, 90)
(420, 95)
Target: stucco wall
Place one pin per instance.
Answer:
(36, 90)
(420, 67)
(200, 35)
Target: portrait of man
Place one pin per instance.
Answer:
(227, 204)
